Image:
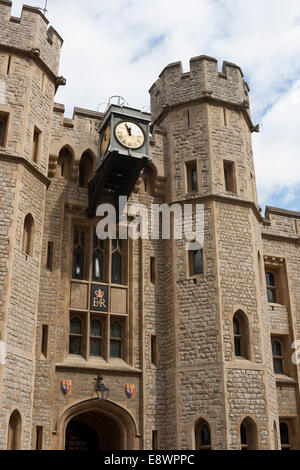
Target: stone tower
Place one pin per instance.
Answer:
(209, 161)
(29, 61)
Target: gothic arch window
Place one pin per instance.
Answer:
(14, 431)
(241, 335)
(79, 252)
(28, 235)
(64, 164)
(248, 435)
(99, 260)
(85, 169)
(202, 435)
(117, 261)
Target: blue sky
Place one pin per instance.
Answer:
(120, 47)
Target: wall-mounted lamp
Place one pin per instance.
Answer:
(101, 390)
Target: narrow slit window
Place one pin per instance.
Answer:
(225, 116)
(152, 270)
(192, 177)
(153, 350)
(49, 263)
(39, 438)
(36, 145)
(229, 178)
(3, 129)
(44, 344)
(155, 442)
(8, 65)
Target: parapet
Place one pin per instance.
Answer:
(175, 87)
(29, 33)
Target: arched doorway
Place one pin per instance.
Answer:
(98, 425)
(92, 431)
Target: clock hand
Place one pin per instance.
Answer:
(128, 129)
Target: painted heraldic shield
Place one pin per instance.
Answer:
(129, 389)
(66, 386)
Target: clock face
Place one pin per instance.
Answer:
(105, 140)
(130, 135)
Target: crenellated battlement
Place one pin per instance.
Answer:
(30, 33)
(203, 80)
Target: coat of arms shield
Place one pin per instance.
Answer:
(129, 389)
(66, 386)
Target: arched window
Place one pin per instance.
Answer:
(64, 164)
(271, 287)
(85, 169)
(78, 271)
(14, 431)
(284, 436)
(202, 435)
(75, 340)
(248, 435)
(99, 258)
(28, 235)
(115, 339)
(277, 357)
(241, 335)
(96, 338)
(116, 261)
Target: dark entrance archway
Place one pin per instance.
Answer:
(93, 430)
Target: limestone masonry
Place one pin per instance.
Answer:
(204, 339)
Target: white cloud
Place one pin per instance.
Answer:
(120, 47)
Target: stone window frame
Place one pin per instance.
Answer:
(189, 166)
(243, 336)
(284, 341)
(44, 352)
(154, 351)
(198, 443)
(190, 262)
(290, 422)
(15, 431)
(88, 313)
(155, 443)
(37, 145)
(153, 270)
(252, 429)
(230, 184)
(277, 267)
(28, 235)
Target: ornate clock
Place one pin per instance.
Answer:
(123, 154)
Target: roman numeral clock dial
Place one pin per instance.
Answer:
(130, 135)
